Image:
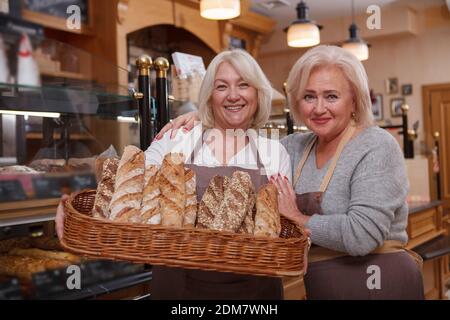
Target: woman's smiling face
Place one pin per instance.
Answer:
(327, 103)
(234, 101)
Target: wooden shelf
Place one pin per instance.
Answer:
(73, 136)
(57, 22)
(65, 74)
(424, 238)
(27, 211)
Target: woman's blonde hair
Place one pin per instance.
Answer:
(352, 69)
(251, 72)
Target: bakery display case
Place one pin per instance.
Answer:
(61, 112)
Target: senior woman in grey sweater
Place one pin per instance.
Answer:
(349, 187)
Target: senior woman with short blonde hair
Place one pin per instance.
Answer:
(349, 185)
(235, 99)
(251, 72)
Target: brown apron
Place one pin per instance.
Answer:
(336, 275)
(178, 283)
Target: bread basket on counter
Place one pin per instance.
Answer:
(181, 247)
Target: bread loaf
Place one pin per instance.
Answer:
(105, 188)
(127, 197)
(25, 267)
(248, 225)
(267, 218)
(210, 204)
(234, 206)
(190, 206)
(38, 253)
(150, 208)
(173, 191)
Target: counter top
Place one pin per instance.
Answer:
(415, 207)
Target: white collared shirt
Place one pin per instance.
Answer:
(272, 153)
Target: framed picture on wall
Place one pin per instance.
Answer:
(407, 89)
(396, 107)
(377, 107)
(392, 86)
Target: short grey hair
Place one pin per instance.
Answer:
(251, 72)
(352, 69)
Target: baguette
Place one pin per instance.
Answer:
(211, 200)
(267, 218)
(129, 183)
(105, 189)
(248, 225)
(173, 191)
(150, 208)
(233, 208)
(190, 207)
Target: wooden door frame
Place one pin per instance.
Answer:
(427, 90)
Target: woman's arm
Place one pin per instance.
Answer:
(378, 189)
(187, 121)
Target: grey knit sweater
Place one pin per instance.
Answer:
(365, 203)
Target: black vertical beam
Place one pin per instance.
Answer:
(289, 121)
(144, 63)
(21, 140)
(438, 174)
(408, 144)
(65, 136)
(162, 100)
(1, 136)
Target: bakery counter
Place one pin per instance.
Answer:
(134, 287)
(427, 237)
(424, 222)
(418, 206)
(102, 279)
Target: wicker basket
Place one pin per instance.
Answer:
(181, 247)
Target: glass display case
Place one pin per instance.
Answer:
(61, 110)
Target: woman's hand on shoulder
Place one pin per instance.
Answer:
(59, 219)
(187, 121)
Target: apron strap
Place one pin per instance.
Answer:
(326, 180)
(255, 150)
(346, 138)
(302, 162)
(197, 147)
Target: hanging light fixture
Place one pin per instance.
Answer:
(220, 9)
(303, 32)
(355, 45)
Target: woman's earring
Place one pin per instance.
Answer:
(353, 115)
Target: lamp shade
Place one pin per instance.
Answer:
(303, 34)
(220, 9)
(358, 48)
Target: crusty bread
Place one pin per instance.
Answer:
(173, 190)
(150, 208)
(126, 201)
(190, 206)
(267, 218)
(210, 204)
(105, 188)
(25, 267)
(234, 206)
(248, 225)
(38, 253)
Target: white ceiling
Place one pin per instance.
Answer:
(325, 9)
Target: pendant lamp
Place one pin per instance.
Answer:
(303, 32)
(354, 44)
(220, 9)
